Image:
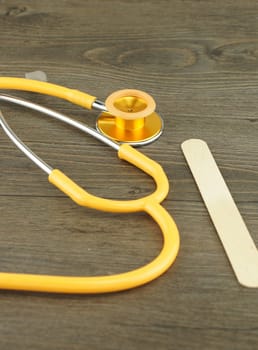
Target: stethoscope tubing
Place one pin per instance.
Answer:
(150, 204)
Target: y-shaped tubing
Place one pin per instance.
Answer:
(150, 204)
(118, 282)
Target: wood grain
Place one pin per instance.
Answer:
(199, 59)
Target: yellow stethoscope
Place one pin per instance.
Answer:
(127, 116)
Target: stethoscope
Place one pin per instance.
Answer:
(127, 118)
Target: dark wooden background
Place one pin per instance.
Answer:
(199, 60)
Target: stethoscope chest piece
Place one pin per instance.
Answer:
(131, 118)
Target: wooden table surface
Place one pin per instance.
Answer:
(199, 60)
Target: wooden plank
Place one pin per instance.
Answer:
(199, 61)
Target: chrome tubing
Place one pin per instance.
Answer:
(59, 116)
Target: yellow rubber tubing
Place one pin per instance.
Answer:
(74, 96)
(104, 284)
(118, 282)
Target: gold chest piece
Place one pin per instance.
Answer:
(131, 118)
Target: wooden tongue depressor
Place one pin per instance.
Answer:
(230, 226)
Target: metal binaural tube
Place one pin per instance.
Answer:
(22, 147)
(99, 106)
(26, 150)
(59, 116)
